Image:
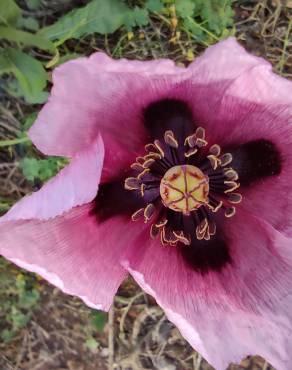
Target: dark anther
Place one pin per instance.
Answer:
(113, 199)
(256, 160)
(169, 115)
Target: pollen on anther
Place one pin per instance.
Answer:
(215, 150)
(232, 185)
(170, 139)
(149, 212)
(235, 198)
(191, 141)
(230, 174)
(229, 212)
(132, 183)
(159, 147)
(225, 159)
(138, 214)
(214, 161)
(200, 133)
(191, 152)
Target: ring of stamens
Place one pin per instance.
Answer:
(198, 186)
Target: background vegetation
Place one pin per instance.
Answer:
(40, 328)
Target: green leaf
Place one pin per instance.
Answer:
(18, 319)
(29, 120)
(9, 12)
(30, 168)
(29, 72)
(7, 335)
(98, 320)
(28, 23)
(101, 16)
(185, 8)
(29, 298)
(33, 4)
(91, 343)
(136, 17)
(41, 169)
(26, 38)
(154, 5)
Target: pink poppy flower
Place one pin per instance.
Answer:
(180, 177)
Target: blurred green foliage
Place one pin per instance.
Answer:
(204, 20)
(19, 297)
(41, 169)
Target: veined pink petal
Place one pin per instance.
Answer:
(71, 251)
(98, 94)
(151, 68)
(231, 83)
(227, 315)
(75, 185)
(48, 233)
(226, 60)
(251, 77)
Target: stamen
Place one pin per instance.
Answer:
(190, 141)
(159, 147)
(146, 170)
(235, 198)
(140, 160)
(215, 205)
(229, 212)
(148, 163)
(201, 229)
(212, 228)
(142, 189)
(138, 214)
(215, 162)
(152, 155)
(225, 159)
(232, 185)
(149, 212)
(200, 133)
(170, 139)
(167, 237)
(161, 223)
(230, 174)
(191, 152)
(132, 183)
(180, 237)
(201, 142)
(215, 150)
(137, 167)
(152, 149)
(154, 231)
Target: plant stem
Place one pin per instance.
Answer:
(19, 140)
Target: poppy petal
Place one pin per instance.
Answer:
(75, 185)
(247, 303)
(96, 94)
(71, 252)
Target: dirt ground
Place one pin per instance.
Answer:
(137, 334)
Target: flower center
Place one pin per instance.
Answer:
(183, 183)
(184, 188)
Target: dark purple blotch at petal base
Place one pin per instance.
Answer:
(256, 160)
(113, 200)
(202, 255)
(169, 114)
